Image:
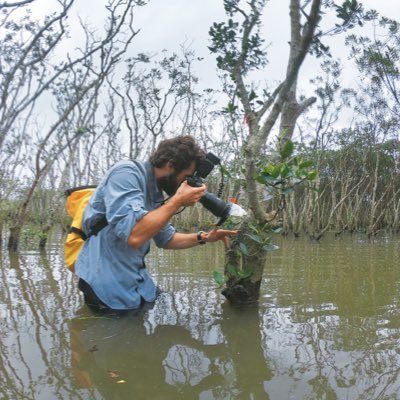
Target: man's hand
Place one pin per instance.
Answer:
(188, 240)
(219, 234)
(187, 195)
(153, 221)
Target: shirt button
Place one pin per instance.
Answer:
(141, 279)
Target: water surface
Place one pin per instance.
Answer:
(327, 327)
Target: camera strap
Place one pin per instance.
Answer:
(222, 183)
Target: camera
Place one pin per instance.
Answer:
(210, 201)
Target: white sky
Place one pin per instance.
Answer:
(167, 24)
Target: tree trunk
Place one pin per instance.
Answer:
(44, 234)
(1, 233)
(247, 253)
(245, 290)
(13, 240)
(20, 218)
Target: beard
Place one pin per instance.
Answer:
(168, 184)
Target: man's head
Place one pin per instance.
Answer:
(175, 159)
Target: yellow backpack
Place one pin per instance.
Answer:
(77, 199)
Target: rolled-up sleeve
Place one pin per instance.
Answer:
(124, 200)
(164, 236)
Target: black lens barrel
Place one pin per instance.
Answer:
(216, 206)
(210, 201)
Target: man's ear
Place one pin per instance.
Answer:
(170, 166)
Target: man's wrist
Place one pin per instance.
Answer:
(173, 204)
(200, 239)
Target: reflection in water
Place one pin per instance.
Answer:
(327, 327)
(168, 363)
(184, 365)
(328, 316)
(33, 340)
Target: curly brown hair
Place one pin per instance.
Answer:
(180, 151)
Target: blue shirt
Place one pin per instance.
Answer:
(115, 271)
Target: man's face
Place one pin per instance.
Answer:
(170, 182)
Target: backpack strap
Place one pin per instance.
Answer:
(67, 192)
(78, 231)
(97, 227)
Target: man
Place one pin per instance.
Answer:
(111, 268)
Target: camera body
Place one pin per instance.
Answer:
(203, 170)
(210, 201)
(194, 181)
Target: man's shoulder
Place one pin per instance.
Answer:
(135, 164)
(134, 171)
(136, 167)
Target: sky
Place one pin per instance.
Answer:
(167, 24)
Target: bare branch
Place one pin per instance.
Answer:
(15, 4)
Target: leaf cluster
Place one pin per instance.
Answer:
(352, 14)
(259, 236)
(232, 273)
(234, 43)
(281, 177)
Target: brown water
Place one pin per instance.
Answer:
(327, 327)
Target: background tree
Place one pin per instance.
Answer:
(358, 181)
(158, 97)
(378, 59)
(29, 73)
(65, 123)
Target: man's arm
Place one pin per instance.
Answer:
(187, 240)
(155, 220)
(182, 241)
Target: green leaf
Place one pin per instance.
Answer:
(287, 150)
(262, 179)
(312, 175)
(81, 131)
(231, 108)
(284, 170)
(269, 179)
(270, 247)
(306, 164)
(252, 95)
(300, 173)
(243, 248)
(272, 170)
(225, 171)
(253, 228)
(218, 278)
(254, 237)
(246, 273)
(232, 270)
